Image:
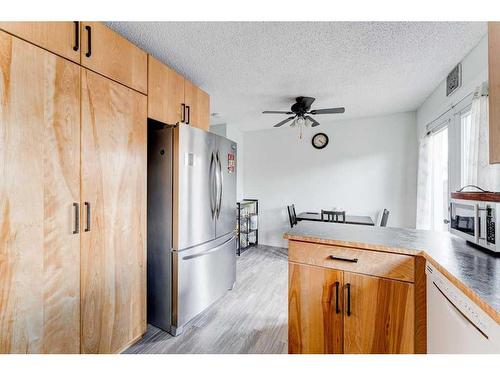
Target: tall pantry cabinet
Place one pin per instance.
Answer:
(113, 258)
(39, 200)
(72, 206)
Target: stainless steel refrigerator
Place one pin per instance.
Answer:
(192, 258)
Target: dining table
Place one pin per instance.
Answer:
(349, 219)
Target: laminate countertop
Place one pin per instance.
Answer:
(474, 271)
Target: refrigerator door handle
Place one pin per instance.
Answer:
(219, 181)
(212, 183)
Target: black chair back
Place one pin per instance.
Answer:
(385, 218)
(292, 215)
(333, 216)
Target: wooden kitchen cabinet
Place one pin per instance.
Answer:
(107, 53)
(113, 261)
(380, 318)
(39, 200)
(197, 106)
(315, 315)
(494, 90)
(372, 309)
(165, 93)
(173, 99)
(61, 38)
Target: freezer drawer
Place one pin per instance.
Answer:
(203, 275)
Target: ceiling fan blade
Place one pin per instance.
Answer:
(327, 111)
(284, 121)
(305, 101)
(314, 122)
(280, 112)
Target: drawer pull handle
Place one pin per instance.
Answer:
(77, 218)
(354, 260)
(348, 286)
(87, 205)
(76, 47)
(337, 309)
(89, 41)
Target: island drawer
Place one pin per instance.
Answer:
(376, 263)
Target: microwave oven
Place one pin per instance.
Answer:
(476, 221)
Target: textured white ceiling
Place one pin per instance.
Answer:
(371, 68)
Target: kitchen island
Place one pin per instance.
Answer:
(388, 263)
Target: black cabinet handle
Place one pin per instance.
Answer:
(337, 308)
(89, 40)
(76, 47)
(354, 260)
(189, 114)
(183, 106)
(77, 218)
(87, 228)
(348, 286)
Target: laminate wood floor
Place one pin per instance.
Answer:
(252, 318)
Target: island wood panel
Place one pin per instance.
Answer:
(114, 56)
(39, 181)
(382, 315)
(314, 326)
(494, 90)
(392, 266)
(114, 160)
(61, 38)
(165, 93)
(420, 304)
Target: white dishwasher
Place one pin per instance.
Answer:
(455, 324)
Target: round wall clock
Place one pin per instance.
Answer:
(319, 140)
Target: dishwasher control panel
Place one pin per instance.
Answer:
(457, 300)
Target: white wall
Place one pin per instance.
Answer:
(474, 73)
(237, 136)
(369, 164)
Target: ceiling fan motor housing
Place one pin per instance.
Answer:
(302, 105)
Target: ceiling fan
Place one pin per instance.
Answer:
(301, 111)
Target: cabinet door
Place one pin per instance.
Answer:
(314, 309)
(61, 38)
(114, 165)
(378, 315)
(203, 110)
(190, 99)
(197, 106)
(39, 182)
(494, 90)
(113, 56)
(165, 93)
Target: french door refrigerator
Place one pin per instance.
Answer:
(191, 222)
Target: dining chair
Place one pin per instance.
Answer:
(292, 216)
(333, 216)
(384, 218)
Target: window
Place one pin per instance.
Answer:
(439, 179)
(465, 149)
